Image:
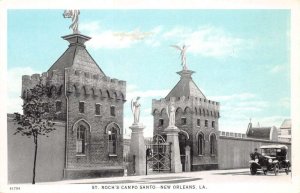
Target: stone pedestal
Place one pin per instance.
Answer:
(172, 136)
(137, 153)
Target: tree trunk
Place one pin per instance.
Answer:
(34, 161)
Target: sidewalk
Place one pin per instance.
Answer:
(172, 178)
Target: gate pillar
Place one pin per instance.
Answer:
(172, 137)
(137, 149)
(187, 159)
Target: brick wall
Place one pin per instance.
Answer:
(97, 143)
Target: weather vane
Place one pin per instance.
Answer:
(74, 14)
(182, 54)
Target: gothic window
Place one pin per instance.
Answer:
(107, 93)
(200, 144)
(115, 95)
(198, 122)
(213, 124)
(58, 106)
(98, 109)
(206, 123)
(112, 141)
(200, 112)
(112, 111)
(213, 146)
(81, 139)
(160, 122)
(81, 107)
(183, 121)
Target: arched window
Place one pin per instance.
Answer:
(200, 144)
(81, 139)
(112, 141)
(213, 124)
(115, 96)
(213, 144)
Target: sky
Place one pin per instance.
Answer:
(241, 57)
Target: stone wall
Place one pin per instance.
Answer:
(50, 157)
(234, 152)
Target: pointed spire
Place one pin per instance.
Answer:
(249, 125)
(258, 125)
(186, 86)
(76, 56)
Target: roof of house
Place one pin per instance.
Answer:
(286, 124)
(259, 132)
(186, 86)
(76, 56)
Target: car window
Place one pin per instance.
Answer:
(269, 152)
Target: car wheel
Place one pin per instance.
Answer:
(253, 170)
(287, 170)
(276, 169)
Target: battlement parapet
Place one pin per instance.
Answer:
(29, 81)
(88, 83)
(184, 102)
(78, 81)
(88, 77)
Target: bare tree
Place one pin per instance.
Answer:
(36, 119)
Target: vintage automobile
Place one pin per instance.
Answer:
(272, 158)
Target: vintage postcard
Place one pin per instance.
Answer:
(139, 96)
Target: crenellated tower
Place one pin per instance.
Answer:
(91, 106)
(196, 117)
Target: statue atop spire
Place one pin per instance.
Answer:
(74, 14)
(183, 55)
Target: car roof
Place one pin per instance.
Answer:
(274, 146)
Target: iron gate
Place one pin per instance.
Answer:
(158, 155)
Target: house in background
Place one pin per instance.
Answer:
(265, 133)
(285, 131)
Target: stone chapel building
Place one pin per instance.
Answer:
(196, 117)
(89, 109)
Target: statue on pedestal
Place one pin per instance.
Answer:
(183, 55)
(135, 108)
(74, 14)
(171, 115)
